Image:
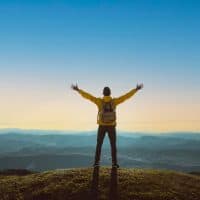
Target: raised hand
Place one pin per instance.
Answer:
(139, 86)
(74, 87)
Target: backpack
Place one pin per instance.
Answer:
(107, 113)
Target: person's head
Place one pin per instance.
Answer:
(106, 91)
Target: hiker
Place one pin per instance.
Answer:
(106, 118)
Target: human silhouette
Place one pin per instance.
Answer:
(106, 118)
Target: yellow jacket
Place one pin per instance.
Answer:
(98, 102)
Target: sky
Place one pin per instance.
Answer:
(45, 46)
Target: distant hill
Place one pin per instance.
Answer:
(46, 150)
(122, 184)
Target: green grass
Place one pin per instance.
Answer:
(132, 184)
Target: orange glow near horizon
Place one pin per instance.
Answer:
(71, 112)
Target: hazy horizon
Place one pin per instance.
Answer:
(93, 131)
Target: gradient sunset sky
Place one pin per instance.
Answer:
(47, 45)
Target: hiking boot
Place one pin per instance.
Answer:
(96, 165)
(115, 165)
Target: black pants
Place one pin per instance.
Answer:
(111, 130)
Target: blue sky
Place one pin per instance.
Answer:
(46, 45)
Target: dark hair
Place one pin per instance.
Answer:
(106, 91)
